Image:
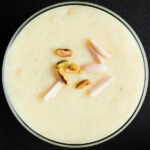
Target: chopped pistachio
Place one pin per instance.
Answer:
(64, 52)
(68, 67)
(82, 84)
(72, 68)
(65, 67)
(62, 63)
(63, 76)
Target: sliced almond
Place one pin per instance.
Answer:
(101, 86)
(99, 49)
(94, 68)
(98, 58)
(54, 90)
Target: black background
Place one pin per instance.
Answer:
(13, 136)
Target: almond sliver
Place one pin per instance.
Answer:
(94, 68)
(101, 86)
(95, 54)
(54, 90)
(98, 48)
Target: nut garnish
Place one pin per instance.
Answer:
(63, 76)
(82, 84)
(101, 85)
(98, 58)
(99, 49)
(94, 68)
(72, 68)
(65, 67)
(61, 64)
(53, 90)
(68, 67)
(64, 52)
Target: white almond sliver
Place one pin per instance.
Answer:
(94, 68)
(54, 90)
(99, 49)
(96, 56)
(101, 86)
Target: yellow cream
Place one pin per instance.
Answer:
(72, 116)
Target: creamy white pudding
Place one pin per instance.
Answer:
(72, 116)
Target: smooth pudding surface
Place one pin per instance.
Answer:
(72, 116)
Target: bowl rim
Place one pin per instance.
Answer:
(145, 63)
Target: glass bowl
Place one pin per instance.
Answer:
(144, 87)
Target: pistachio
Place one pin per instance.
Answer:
(61, 63)
(68, 67)
(65, 67)
(82, 84)
(72, 68)
(64, 52)
(63, 76)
